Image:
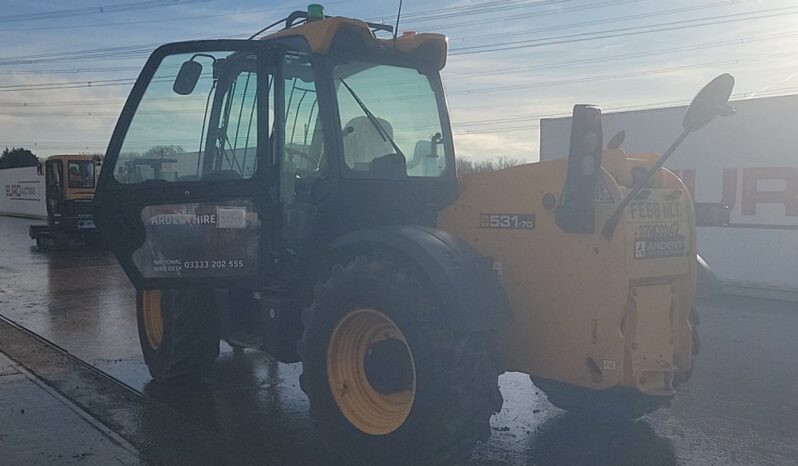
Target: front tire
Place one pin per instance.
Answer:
(390, 383)
(178, 333)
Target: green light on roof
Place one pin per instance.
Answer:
(315, 12)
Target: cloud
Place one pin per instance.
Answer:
(486, 124)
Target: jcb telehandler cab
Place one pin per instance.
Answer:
(69, 189)
(313, 211)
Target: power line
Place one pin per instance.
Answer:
(144, 49)
(623, 32)
(604, 59)
(465, 10)
(64, 145)
(447, 76)
(635, 74)
(71, 103)
(138, 49)
(96, 54)
(116, 53)
(406, 17)
(605, 21)
(110, 69)
(96, 10)
(83, 145)
(623, 108)
(534, 14)
(128, 81)
(167, 20)
(476, 9)
(471, 91)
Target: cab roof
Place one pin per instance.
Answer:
(322, 33)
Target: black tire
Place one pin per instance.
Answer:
(189, 342)
(61, 242)
(456, 382)
(614, 404)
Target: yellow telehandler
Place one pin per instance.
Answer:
(312, 210)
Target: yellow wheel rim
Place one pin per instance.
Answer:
(153, 319)
(353, 339)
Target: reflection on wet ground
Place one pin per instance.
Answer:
(739, 408)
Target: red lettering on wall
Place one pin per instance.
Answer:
(752, 195)
(729, 196)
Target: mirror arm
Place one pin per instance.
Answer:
(612, 222)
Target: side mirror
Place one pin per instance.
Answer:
(617, 141)
(434, 141)
(711, 101)
(187, 78)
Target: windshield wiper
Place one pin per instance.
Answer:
(374, 121)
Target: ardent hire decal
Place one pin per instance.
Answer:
(507, 221)
(652, 248)
(183, 219)
(662, 238)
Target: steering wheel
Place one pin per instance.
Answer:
(294, 152)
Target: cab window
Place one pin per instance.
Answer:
(391, 126)
(205, 132)
(303, 157)
(80, 174)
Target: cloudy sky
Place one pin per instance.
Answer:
(66, 67)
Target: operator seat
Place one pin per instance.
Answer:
(363, 142)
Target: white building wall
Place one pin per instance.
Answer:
(749, 161)
(22, 193)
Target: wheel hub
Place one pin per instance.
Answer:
(388, 366)
(371, 371)
(153, 317)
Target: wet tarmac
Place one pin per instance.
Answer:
(740, 407)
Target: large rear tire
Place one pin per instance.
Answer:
(390, 383)
(179, 334)
(614, 404)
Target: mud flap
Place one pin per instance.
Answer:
(707, 283)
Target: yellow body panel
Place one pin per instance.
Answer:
(586, 310)
(319, 36)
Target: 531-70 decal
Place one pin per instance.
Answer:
(507, 221)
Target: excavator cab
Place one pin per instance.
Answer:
(233, 155)
(69, 188)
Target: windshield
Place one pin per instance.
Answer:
(80, 174)
(391, 126)
(208, 131)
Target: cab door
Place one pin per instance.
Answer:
(185, 195)
(53, 190)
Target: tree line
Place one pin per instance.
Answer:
(466, 166)
(17, 157)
